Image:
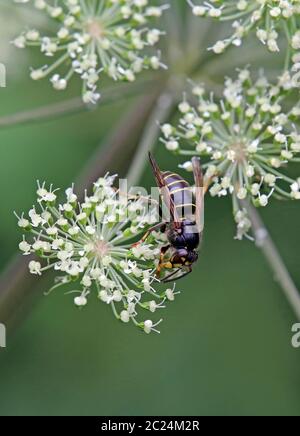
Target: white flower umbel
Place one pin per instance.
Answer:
(267, 18)
(90, 244)
(94, 37)
(246, 140)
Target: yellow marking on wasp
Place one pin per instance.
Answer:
(176, 183)
(167, 265)
(186, 205)
(180, 190)
(170, 175)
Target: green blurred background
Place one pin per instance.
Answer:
(225, 344)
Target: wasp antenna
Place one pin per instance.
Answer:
(151, 156)
(153, 162)
(198, 173)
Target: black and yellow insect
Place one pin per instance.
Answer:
(185, 227)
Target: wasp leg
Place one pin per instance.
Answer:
(160, 226)
(169, 277)
(163, 264)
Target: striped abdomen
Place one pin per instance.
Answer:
(181, 194)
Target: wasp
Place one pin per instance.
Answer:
(184, 228)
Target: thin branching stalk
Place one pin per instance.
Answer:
(67, 107)
(160, 113)
(74, 105)
(274, 259)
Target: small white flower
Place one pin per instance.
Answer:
(23, 223)
(35, 267)
(149, 326)
(199, 11)
(20, 42)
(25, 247)
(188, 166)
(86, 281)
(170, 293)
(263, 200)
(60, 84)
(219, 47)
(125, 316)
(167, 130)
(80, 301)
(172, 145)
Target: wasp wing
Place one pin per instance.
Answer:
(165, 192)
(178, 274)
(198, 176)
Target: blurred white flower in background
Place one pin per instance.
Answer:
(90, 38)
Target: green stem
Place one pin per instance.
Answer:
(274, 259)
(160, 113)
(74, 105)
(288, 50)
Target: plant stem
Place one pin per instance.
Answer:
(74, 105)
(43, 113)
(160, 113)
(274, 259)
(288, 49)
